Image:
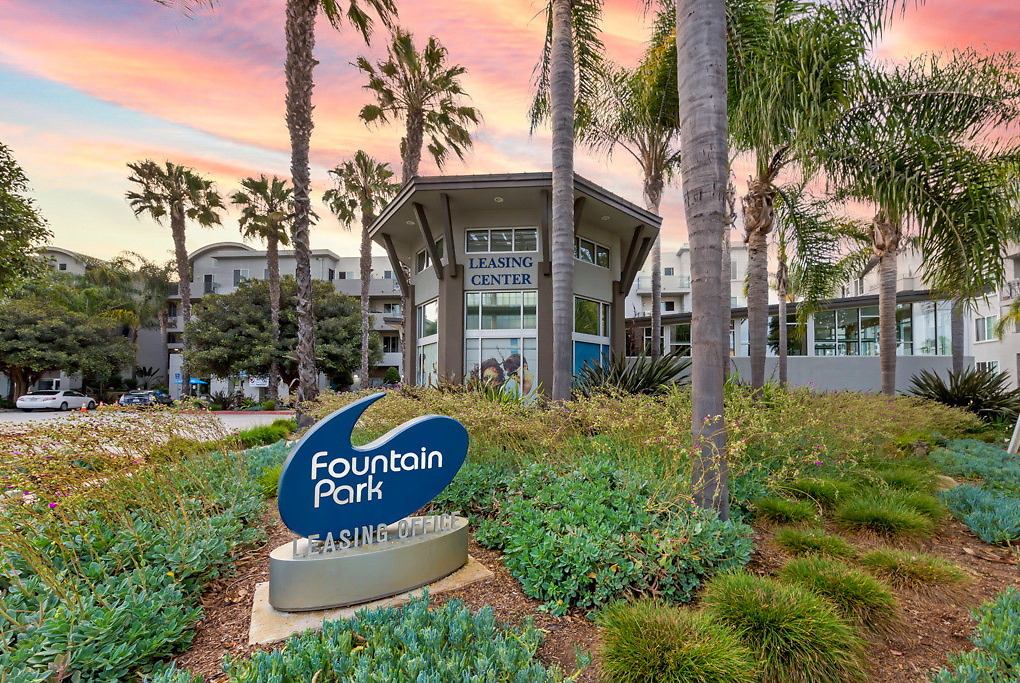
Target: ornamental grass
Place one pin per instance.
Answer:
(918, 571)
(797, 541)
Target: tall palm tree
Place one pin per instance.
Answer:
(179, 194)
(636, 111)
(363, 187)
(300, 32)
(267, 206)
(919, 147)
(704, 171)
(424, 91)
(572, 48)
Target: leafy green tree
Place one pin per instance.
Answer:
(566, 84)
(363, 187)
(267, 206)
(424, 91)
(151, 281)
(300, 33)
(230, 335)
(178, 193)
(22, 228)
(920, 148)
(38, 336)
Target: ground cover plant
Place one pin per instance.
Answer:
(883, 514)
(53, 458)
(991, 506)
(905, 569)
(106, 583)
(797, 541)
(793, 633)
(782, 511)
(857, 597)
(648, 640)
(409, 643)
(997, 642)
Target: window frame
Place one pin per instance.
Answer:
(514, 230)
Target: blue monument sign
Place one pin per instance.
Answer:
(352, 504)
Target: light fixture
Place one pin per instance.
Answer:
(409, 222)
(498, 200)
(605, 218)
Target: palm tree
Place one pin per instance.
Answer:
(704, 171)
(636, 111)
(793, 68)
(424, 91)
(300, 32)
(918, 147)
(363, 187)
(267, 205)
(152, 281)
(572, 48)
(177, 192)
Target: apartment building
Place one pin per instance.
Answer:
(219, 268)
(676, 282)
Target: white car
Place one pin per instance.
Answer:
(54, 400)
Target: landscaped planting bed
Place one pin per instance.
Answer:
(582, 507)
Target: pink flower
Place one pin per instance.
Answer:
(53, 505)
(818, 462)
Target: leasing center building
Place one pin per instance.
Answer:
(476, 253)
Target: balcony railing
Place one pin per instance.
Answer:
(1010, 291)
(670, 283)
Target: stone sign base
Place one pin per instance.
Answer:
(300, 580)
(269, 625)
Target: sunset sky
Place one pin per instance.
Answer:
(86, 87)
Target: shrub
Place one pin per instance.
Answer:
(269, 481)
(985, 393)
(108, 583)
(993, 517)
(651, 641)
(263, 435)
(268, 405)
(413, 643)
(392, 376)
(859, 598)
(912, 570)
(286, 424)
(905, 478)
(478, 490)
(641, 375)
(782, 511)
(594, 534)
(794, 633)
(997, 637)
(813, 541)
(824, 492)
(878, 512)
(927, 505)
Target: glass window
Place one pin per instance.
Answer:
(601, 256)
(509, 363)
(904, 330)
(477, 241)
(668, 272)
(586, 316)
(869, 331)
(423, 261)
(988, 366)
(428, 319)
(439, 248)
(471, 303)
(501, 310)
(586, 251)
(589, 353)
(680, 338)
(984, 329)
(428, 363)
(530, 311)
(501, 240)
(796, 336)
(391, 344)
(525, 239)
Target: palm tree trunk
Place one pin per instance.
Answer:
(783, 330)
(701, 82)
(726, 292)
(887, 321)
(164, 336)
(757, 207)
(956, 325)
(414, 136)
(273, 266)
(366, 275)
(653, 197)
(300, 30)
(561, 86)
(184, 288)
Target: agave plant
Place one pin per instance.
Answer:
(641, 375)
(985, 393)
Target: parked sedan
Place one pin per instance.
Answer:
(147, 397)
(54, 400)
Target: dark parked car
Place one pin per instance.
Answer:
(147, 397)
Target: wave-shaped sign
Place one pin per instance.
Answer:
(329, 486)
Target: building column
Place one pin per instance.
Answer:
(410, 333)
(545, 333)
(451, 324)
(617, 323)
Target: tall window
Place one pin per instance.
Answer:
(854, 332)
(331, 275)
(984, 328)
(427, 331)
(680, 339)
(391, 344)
(489, 240)
(501, 339)
(591, 332)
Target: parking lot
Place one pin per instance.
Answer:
(238, 420)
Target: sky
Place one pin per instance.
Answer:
(88, 86)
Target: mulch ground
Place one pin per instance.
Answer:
(934, 625)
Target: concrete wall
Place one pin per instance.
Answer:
(843, 373)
